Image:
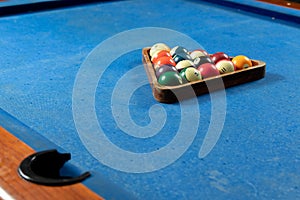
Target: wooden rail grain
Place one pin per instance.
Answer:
(12, 186)
(290, 4)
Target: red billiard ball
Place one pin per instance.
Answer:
(208, 70)
(159, 54)
(216, 57)
(164, 61)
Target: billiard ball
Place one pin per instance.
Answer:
(164, 61)
(241, 62)
(216, 57)
(190, 74)
(225, 66)
(178, 50)
(201, 60)
(184, 64)
(161, 53)
(162, 69)
(197, 53)
(181, 56)
(170, 78)
(208, 70)
(157, 47)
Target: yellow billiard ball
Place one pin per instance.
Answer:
(225, 66)
(184, 64)
(158, 47)
(190, 74)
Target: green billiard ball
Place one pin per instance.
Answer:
(170, 78)
(178, 50)
(181, 56)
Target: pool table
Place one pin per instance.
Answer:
(72, 79)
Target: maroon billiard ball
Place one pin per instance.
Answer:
(216, 57)
(208, 70)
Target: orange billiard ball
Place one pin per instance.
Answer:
(241, 62)
(159, 54)
(165, 60)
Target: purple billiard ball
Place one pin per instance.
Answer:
(164, 68)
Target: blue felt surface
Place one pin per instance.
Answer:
(98, 182)
(257, 155)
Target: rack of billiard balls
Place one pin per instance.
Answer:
(173, 71)
(178, 66)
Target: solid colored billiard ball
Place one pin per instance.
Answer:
(190, 74)
(164, 61)
(178, 50)
(157, 47)
(181, 56)
(170, 78)
(197, 53)
(201, 60)
(160, 53)
(225, 66)
(241, 62)
(208, 70)
(184, 64)
(165, 68)
(216, 57)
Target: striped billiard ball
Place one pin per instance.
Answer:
(158, 47)
(241, 62)
(225, 66)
